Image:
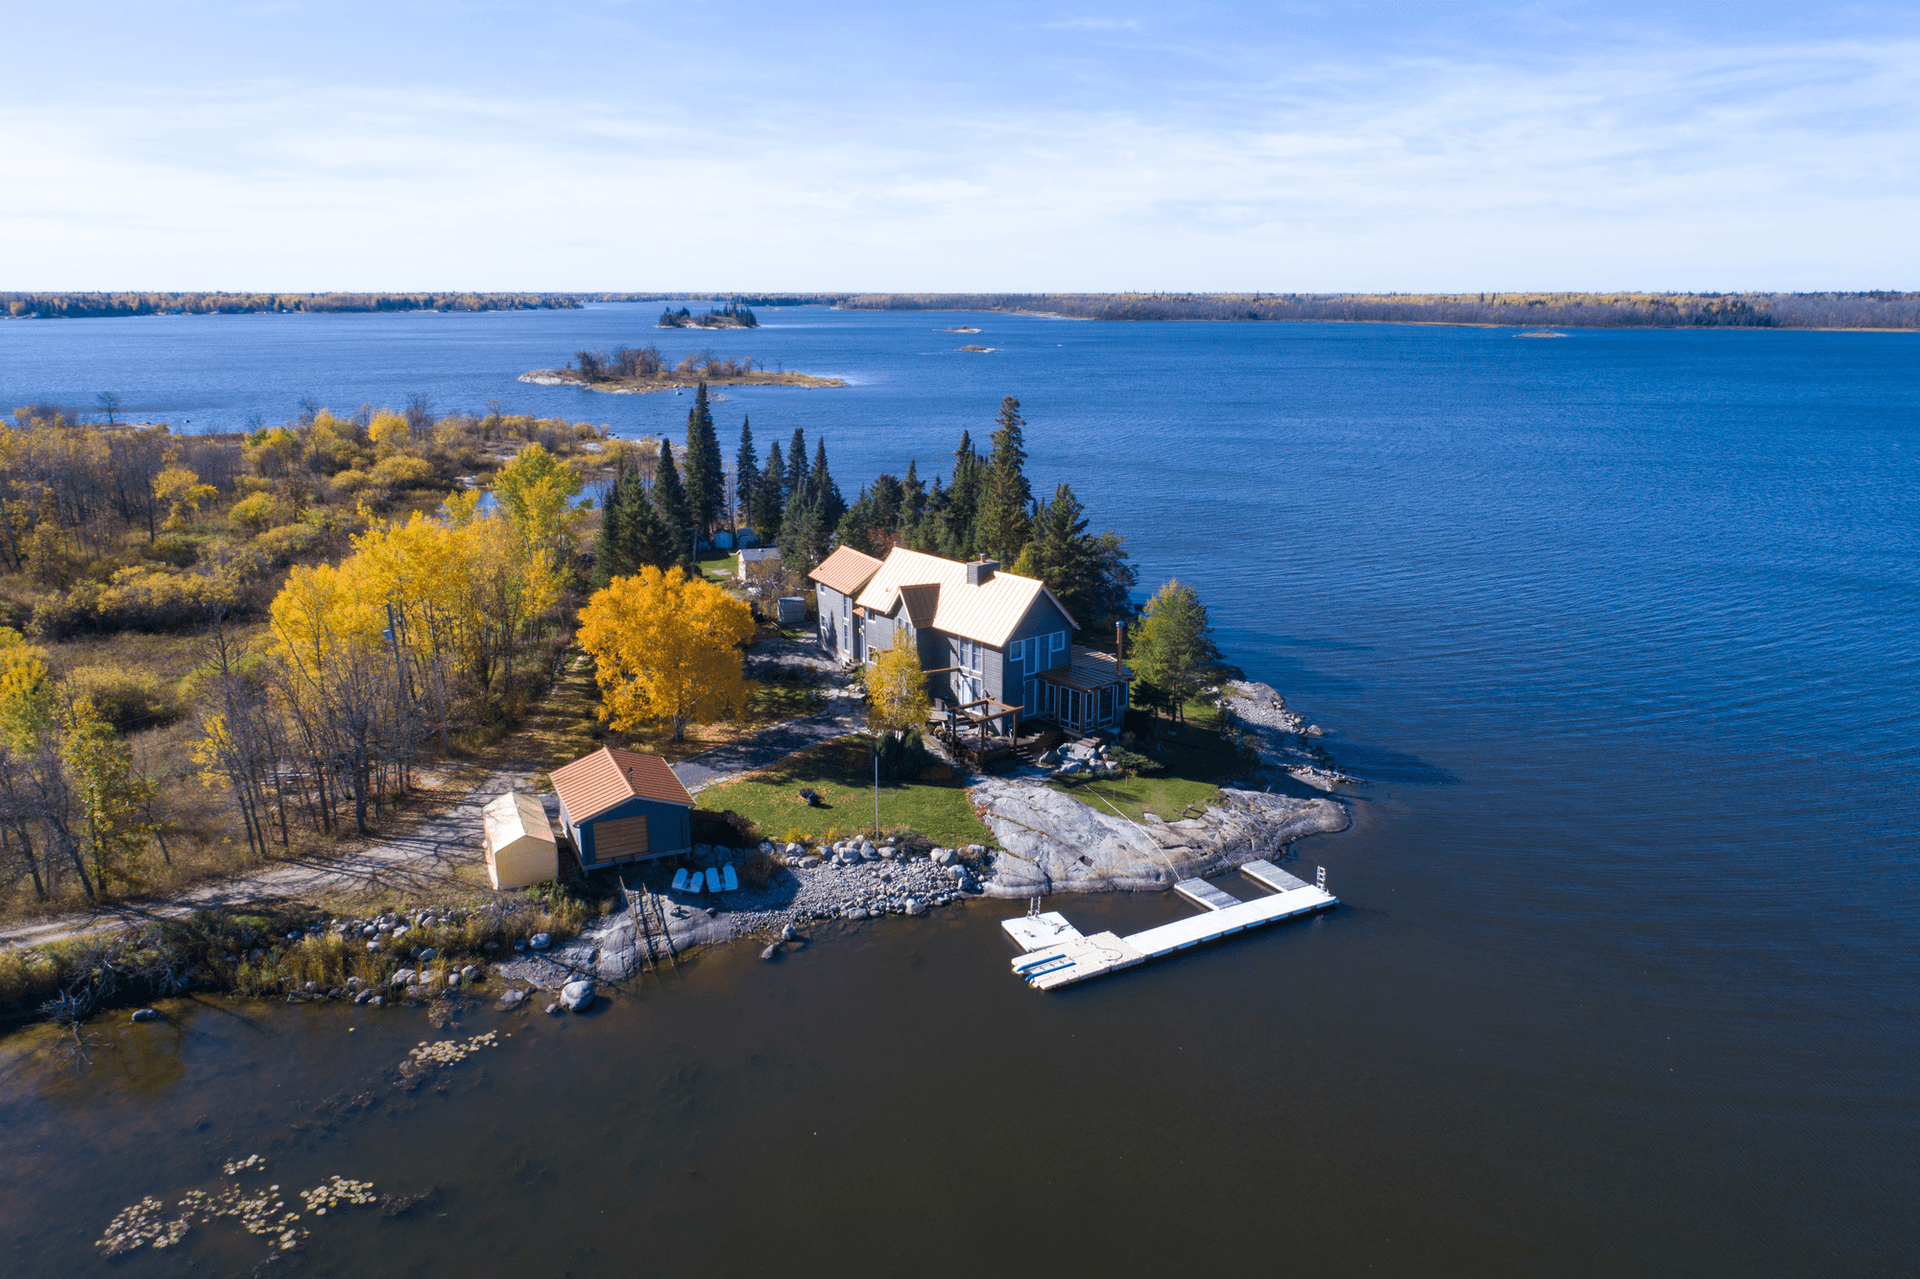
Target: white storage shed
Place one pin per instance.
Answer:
(520, 844)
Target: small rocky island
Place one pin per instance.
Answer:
(640, 370)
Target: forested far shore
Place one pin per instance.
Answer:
(78, 306)
(1875, 310)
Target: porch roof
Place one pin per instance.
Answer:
(1090, 670)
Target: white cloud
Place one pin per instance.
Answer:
(1668, 166)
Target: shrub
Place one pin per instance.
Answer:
(403, 471)
(127, 700)
(729, 829)
(289, 542)
(351, 482)
(175, 549)
(255, 512)
(143, 599)
(1134, 762)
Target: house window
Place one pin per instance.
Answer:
(1106, 704)
(1059, 643)
(1018, 653)
(846, 606)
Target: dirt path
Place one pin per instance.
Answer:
(431, 849)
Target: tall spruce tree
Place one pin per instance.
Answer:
(826, 494)
(670, 500)
(1003, 526)
(706, 474)
(962, 506)
(770, 497)
(746, 471)
(796, 464)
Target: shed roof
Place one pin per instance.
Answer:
(514, 816)
(846, 570)
(1089, 670)
(594, 783)
(987, 613)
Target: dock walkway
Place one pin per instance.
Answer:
(1057, 954)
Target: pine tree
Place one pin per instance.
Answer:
(746, 466)
(1004, 527)
(670, 500)
(705, 478)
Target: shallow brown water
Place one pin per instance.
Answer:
(892, 1098)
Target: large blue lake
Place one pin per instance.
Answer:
(1623, 629)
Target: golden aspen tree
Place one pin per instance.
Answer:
(897, 688)
(667, 650)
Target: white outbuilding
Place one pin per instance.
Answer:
(520, 845)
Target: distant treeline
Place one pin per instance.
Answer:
(92, 305)
(1877, 310)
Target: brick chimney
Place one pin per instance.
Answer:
(981, 572)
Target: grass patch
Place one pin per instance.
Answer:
(719, 566)
(1197, 758)
(841, 771)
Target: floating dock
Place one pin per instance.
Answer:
(1058, 954)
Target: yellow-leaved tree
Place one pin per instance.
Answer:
(181, 487)
(897, 688)
(667, 650)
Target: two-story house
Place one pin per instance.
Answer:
(981, 633)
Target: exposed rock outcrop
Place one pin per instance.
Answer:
(1053, 843)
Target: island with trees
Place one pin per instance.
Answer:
(640, 370)
(733, 315)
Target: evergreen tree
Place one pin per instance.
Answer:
(913, 496)
(670, 500)
(706, 476)
(962, 504)
(770, 497)
(826, 494)
(746, 467)
(796, 465)
(1003, 526)
(1090, 575)
(609, 548)
(860, 526)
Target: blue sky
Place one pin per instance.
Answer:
(1038, 146)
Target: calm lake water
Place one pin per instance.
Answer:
(1624, 630)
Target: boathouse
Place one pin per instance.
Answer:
(622, 806)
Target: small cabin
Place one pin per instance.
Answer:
(520, 846)
(621, 806)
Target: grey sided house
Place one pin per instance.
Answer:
(621, 806)
(981, 634)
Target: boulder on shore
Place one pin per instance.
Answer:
(576, 996)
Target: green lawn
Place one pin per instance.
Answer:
(719, 565)
(1198, 763)
(841, 771)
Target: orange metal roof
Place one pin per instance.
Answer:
(986, 614)
(846, 570)
(594, 783)
(923, 603)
